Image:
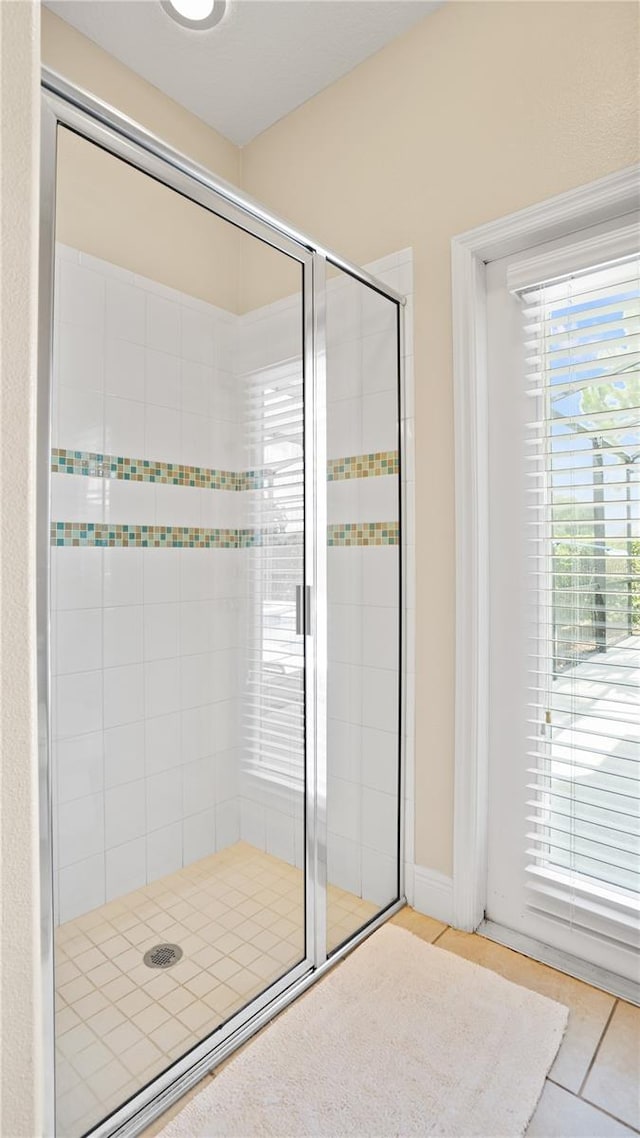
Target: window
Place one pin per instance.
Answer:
(582, 365)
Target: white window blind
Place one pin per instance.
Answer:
(274, 703)
(582, 341)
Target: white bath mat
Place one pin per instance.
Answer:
(403, 1038)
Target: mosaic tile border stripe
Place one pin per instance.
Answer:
(373, 465)
(363, 533)
(93, 465)
(155, 537)
(103, 534)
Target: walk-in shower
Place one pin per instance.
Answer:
(220, 614)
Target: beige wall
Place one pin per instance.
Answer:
(20, 995)
(481, 109)
(107, 208)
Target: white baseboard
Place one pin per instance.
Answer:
(432, 894)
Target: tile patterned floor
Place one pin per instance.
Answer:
(592, 1088)
(238, 917)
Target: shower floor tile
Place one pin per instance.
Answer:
(238, 918)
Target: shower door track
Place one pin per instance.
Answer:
(67, 105)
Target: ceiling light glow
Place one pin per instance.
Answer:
(197, 14)
(194, 9)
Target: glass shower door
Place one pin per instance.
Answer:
(364, 605)
(177, 525)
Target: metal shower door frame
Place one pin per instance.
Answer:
(65, 105)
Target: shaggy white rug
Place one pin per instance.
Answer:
(403, 1038)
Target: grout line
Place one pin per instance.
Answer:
(597, 1047)
(595, 1105)
(445, 930)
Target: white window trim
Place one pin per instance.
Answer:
(600, 201)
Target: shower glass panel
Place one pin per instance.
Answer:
(364, 605)
(178, 669)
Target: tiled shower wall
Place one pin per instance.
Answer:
(144, 640)
(149, 644)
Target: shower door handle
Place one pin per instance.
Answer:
(303, 610)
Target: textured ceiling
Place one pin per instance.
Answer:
(264, 59)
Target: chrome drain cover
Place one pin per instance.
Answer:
(162, 955)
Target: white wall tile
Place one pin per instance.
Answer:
(81, 829)
(380, 821)
(379, 314)
(126, 868)
(195, 440)
(161, 575)
(380, 575)
(81, 296)
(199, 785)
(125, 311)
(197, 341)
(344, 692)
(198, 736)
(227, 816)
(344, 370)
(252, 823)
(161, 638)
(344, 749)
(123, 695)
(196, 385)
(123, 577)
(343, 864)
(78, 640)
(80, 419)
(199, 836)
(164, 851)
(78, 703)
(162, 743)
(76, 498)
(345, 632)
(380, 635)
(124, 370)
(380, 363)
(78, 766)
(124, 429)
(125, 813)
(345, 573)
(123, 642)
(178, 505)
(380, 700)
(280, 836)
(227, 774)
(131, 503)
(164, 798)
(380, 760)
(344, 306)
(162, 434)
(379, 422)
(196, 627)
(124, 754)
(81, 359)
(162, 687)
(163, 325)
(344, 428)
(343, 808)
(379, 877)
(82, 887)
(162, 379)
